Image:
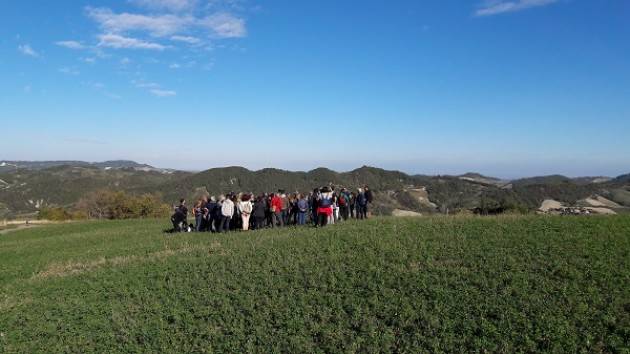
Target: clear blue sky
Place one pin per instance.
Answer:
(503, 87)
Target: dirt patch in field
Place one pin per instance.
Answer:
(402, 213)
(603, 211)
(549, 204)
(74, 268)
(601, 202)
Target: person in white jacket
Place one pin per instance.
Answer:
(227, 210)
(245, 208)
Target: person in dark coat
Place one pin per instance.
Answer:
(211, 206)
(259, 212)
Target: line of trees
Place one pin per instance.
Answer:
(106, 204)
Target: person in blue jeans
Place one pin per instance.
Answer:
(302, 206)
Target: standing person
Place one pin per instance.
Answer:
(370, 198)
(286, 206)
(353, 205)
(314, 206)
(245, 207)
(260, 212)
(295, 211)
(343, 202)
(361, 205)
(198, 212)
(211, 206)
(276, 211)
(324, 210)
(216, 214)
(333, 215)
(302, 209)
(235, 223)
(227, 210)
(268, 212)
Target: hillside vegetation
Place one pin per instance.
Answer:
(463, 284)
(29, 187)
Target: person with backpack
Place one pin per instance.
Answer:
(325, 206)
(361, 204)
(344, 204)
(302, 209)
(245, 208)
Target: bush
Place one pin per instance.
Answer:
(106, 204)
(54, 214)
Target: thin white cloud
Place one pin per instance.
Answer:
(186, 39)
(117, 41)
(175, 26)
(26, 49)
(495, 7)
(163, 93)
(70, 44)
(144, 84)
(225, 25)
(174, 66)
(158, 25)
(170, 5)
(89, 60)
(69, 71)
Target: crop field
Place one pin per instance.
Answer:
(437, 284)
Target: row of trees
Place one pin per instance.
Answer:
(105, 204)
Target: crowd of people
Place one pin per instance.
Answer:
(245, 211)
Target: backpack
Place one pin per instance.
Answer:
(342, 200)
(325, 202)
(361, 199)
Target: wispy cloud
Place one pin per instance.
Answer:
(153, 88)
(69, 71)
(495, 7)
(225, 25)
(156, 25)
(163, 93)
(144, 84)
(219, 25)
(170, 5)
(26, 49)
(71, 44)
(186, 39)
(117, 41)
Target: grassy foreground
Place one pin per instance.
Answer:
(387, 285)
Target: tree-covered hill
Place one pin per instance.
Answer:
(25, 190)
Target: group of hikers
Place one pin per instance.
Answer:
(244, 211)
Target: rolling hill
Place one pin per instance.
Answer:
(25, 187)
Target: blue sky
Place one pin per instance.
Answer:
(503, 87)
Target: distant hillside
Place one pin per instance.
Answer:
(25, 187)
(8, 166)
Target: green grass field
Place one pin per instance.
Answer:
(508, 284)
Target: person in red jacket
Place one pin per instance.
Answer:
(276, 211)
